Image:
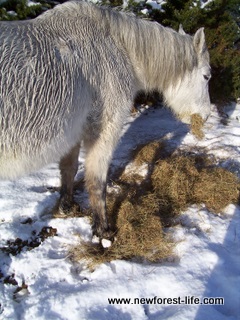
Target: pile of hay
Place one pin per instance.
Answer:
(181, 180)
(173, 179)
(141, 210)
(139, 235)
(216, 188)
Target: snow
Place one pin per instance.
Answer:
(204, 3)
(31, 3)
(208, 246)
(12, 13)
(156, 4)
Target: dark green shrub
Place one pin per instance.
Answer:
(20, 10)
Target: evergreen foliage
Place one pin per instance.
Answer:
(21, 10)
(221, 19)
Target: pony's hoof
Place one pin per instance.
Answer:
(103, 233)
(67, 208)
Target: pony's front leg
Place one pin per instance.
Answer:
(99, 153)
(68, 168)
(96, 187)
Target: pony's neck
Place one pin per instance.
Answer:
(159, 56)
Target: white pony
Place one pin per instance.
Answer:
(71, 75)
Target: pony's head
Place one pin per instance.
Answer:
(189, 94)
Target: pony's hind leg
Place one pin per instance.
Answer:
(68, 168)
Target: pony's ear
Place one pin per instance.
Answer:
(180, 30)
(199, 41)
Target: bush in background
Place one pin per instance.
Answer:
(24, 9)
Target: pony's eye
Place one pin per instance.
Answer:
(206, 77)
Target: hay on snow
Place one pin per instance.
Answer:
(144, 206)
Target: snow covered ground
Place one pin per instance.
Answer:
(44, 284)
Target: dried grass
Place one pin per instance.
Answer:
(184, 182)
(140, 232)
(197, 126)
(142, 208)
(173, 179)
(139, 235)
(216, 188)
(148, 153)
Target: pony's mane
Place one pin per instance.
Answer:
(159, 55)
(163, 54)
